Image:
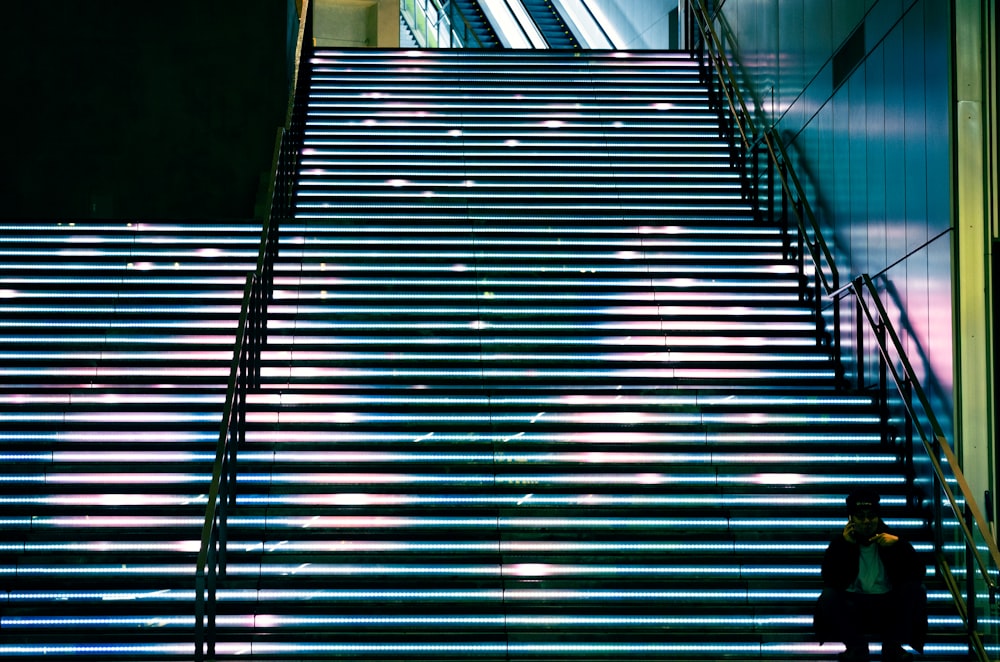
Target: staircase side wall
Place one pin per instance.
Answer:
(860, 90)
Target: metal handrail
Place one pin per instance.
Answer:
(940, 442)
(776, 150)
(881, 327)
(908, 385)
(244, 371)
(212, 555)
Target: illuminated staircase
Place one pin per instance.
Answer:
(537, 387)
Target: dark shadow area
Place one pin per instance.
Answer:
(150, 110)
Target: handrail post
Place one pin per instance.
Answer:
(210, 607)
(221, 536)
(859, 334)
(800, 251)
(769, 173)
(936, 505)
(782, 201)
(199, 615)
(817, 306)
(883, 386)
(970, 578)
(908, 433)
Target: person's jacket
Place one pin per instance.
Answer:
(903, 569)
(842, 560)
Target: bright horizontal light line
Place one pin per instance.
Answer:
(461, 595)
(400, 522)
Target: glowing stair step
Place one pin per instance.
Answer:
(435, 651)
(337, 548)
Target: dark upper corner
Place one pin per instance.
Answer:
(143, 110)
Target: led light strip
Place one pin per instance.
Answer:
(295, 233)
(471, 523)
(269, 621)
(431, 500)
(587, 268)
(448, 419)
(545, 500)
(822, 401)
(485, 596)
(499, 649)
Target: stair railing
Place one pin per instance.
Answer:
(244, 374)
(749, 143)
(949, 485)
(970, 530)
(428, 18)
(211, 562)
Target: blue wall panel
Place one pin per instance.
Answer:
(914, 131)
(893, 137)
(875, 185)
(874, 152)
(937, 63)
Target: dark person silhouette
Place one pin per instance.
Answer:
(872, 587)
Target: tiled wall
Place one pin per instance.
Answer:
(871, 143)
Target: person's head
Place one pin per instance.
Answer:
(863, 511)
